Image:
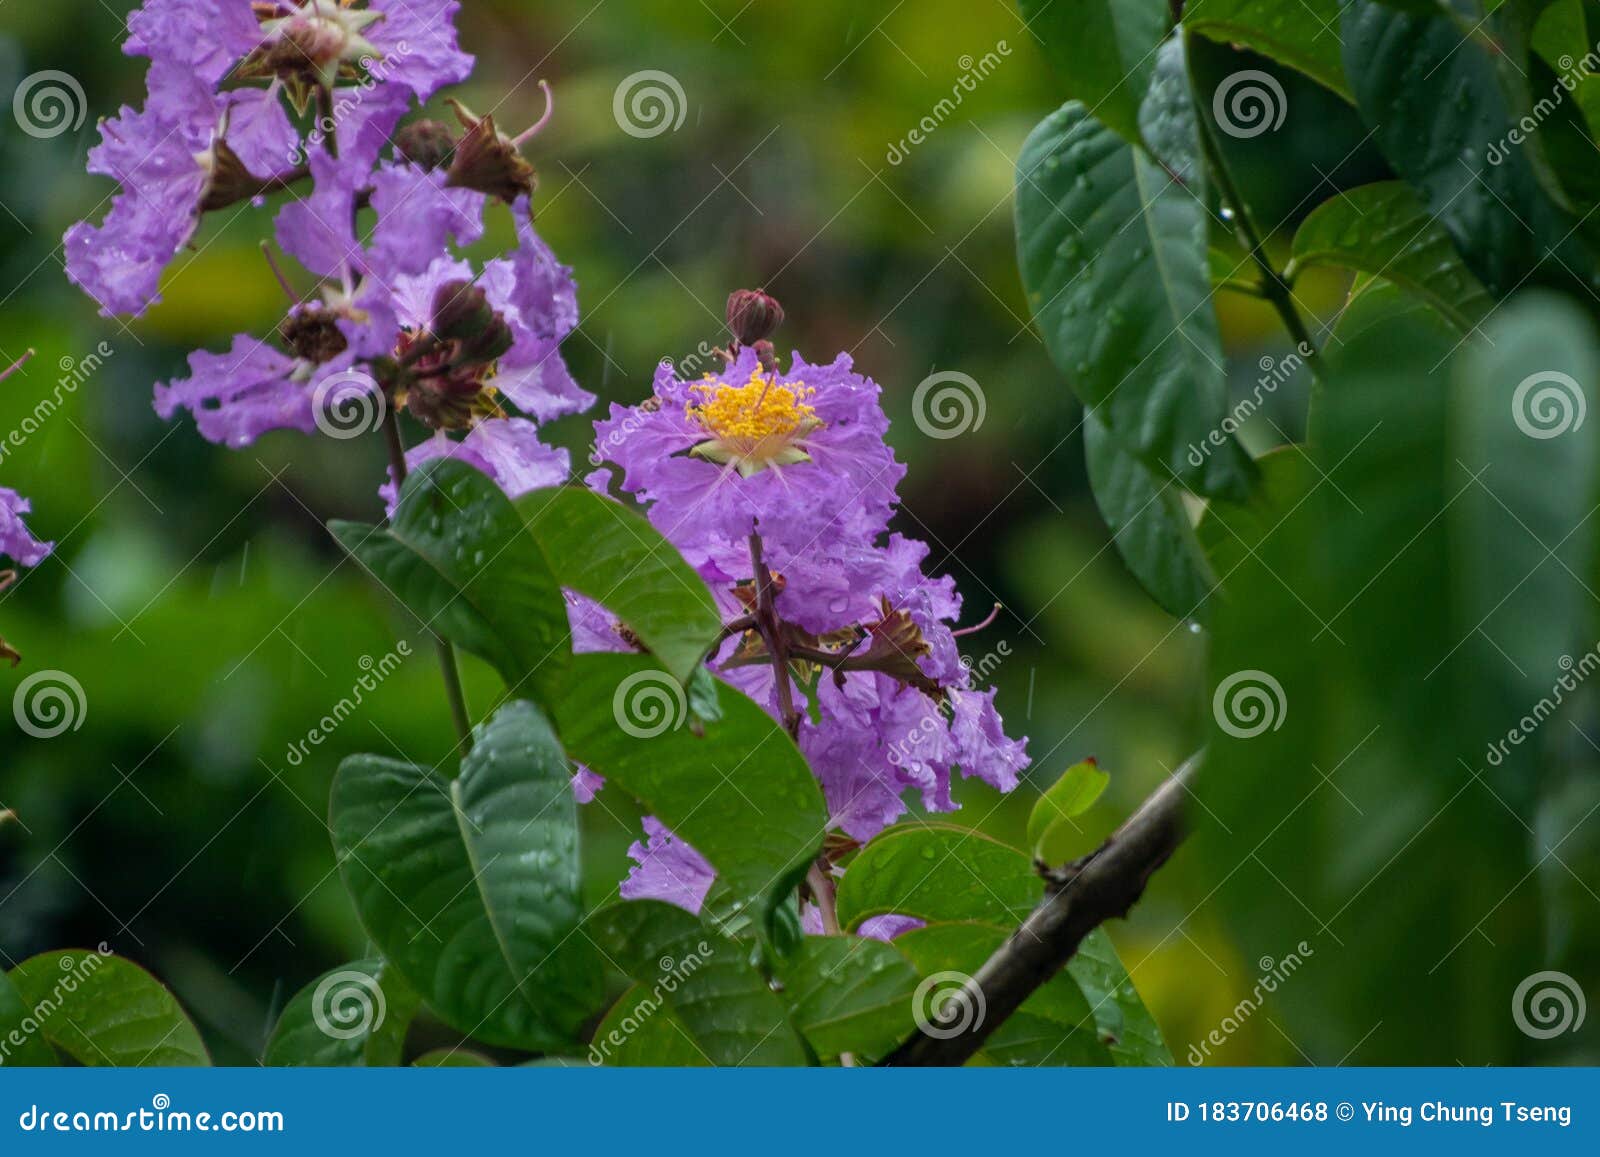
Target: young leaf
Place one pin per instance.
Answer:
(472, 887)
(601, 549)
(938, 872)
(1148, 522)
(734, 786)
(1103, 52)
(1382, 229)
(849, 995)
(1305, 35)
(1114, 260)
(459, 555)
(1050, 827)
(356, 1014)
(708, 982)
(104, 1010)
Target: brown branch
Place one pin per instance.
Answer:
(1080, 897)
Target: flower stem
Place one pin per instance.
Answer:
(766, 616)
(447, 655)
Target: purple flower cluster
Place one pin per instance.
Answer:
(15, 539)
(308, 96)
(794, 465)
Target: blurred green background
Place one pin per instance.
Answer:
(211, 622)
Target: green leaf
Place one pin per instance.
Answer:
(938, 872)
(1148, 522)
(601, 549)
(456, 1058)
(1229, 532)
(1103, 52)
(1050, 826)
(104, 1010)
(356, 1014)
(708, 982)
(735, 787)
(1483, 188)
(1114, 261)
(28, 1048)
(459, 555)
(471, 887)
(641, 1031)
(1303, 35)
(1122, 1021)
(1382, 229)
(848, 994)
(1054, 1026)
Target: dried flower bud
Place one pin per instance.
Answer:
(427, 144)
(488, 161)
(753, 315)
(312, 333)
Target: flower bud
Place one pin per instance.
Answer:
(425, 143)
(461, 311)
(488, 161)
(753, 315)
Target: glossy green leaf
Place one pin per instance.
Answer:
(460, 557)
(1149, 523)
(938, 872)
(848, 994)
(1383, 229)
(104, 1010)
(1054, 1026)
(1114, 260)
(1122, 1020)
(1304, 35)
(28, 1048)
(471, 887)
(601, 549)
(1051, 832)
(1103, 52)
(735, 787)
(713, 990)
(642, 1031)
(356, 1014)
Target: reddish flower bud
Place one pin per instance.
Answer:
(426, 144)
(753, 315)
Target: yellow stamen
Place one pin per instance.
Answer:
(753, 426)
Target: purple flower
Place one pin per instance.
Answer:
(666, 868)
(14, 537)
(508, 450)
